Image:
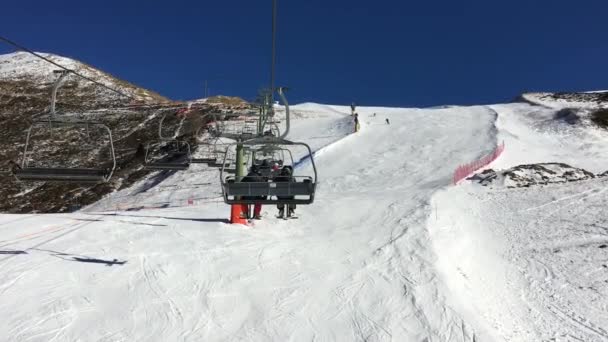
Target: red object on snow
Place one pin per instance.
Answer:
(463, 171)
(238, 214)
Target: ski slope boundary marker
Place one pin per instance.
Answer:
(465, 170)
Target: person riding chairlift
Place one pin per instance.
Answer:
(254, 176)
(285, 176)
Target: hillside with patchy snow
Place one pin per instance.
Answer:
(25, 96)
(19, 68)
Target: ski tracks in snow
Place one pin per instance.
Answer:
(548, 244)
(359, 265)
(172, 316)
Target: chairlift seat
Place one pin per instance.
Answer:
(203, 160)
(305, 190)
(167, 166)
(219, 164)
(74, 175)
(177, 154)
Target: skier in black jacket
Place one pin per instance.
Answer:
(285, 176)
(254, 176)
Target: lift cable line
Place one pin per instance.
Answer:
(153, 105)
(274, 34)
(21, 47)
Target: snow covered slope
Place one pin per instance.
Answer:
(388, 251)
(528, 264)
(357, 265)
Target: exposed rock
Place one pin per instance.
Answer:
(568, 115)
(603, 174)
(533, 174)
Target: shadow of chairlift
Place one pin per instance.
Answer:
(82, 258)
(99, 261)
(12, 252)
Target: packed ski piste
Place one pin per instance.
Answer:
(390, 249)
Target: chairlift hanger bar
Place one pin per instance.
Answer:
(160, 129)
(268, 140)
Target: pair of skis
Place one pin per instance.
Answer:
(285, 216)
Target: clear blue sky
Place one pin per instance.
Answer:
(382, 52)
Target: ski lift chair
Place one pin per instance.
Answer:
(208, 155)
(66, 174)
(301, 190)
(248, 131)
(208, 147)
(224, 162)
(177, 157)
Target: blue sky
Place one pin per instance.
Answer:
(383, 52)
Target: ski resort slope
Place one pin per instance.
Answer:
(357, 265)
(529, 264)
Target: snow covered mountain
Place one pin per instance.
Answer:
(25, 95)
(391, 250)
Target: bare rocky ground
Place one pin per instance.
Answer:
(523, 176)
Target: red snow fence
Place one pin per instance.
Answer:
(465, 170)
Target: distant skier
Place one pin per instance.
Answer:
(352, 108)
(374, 115)
(357, 125)
(254, 176)
(388, 122)
(285, 176)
